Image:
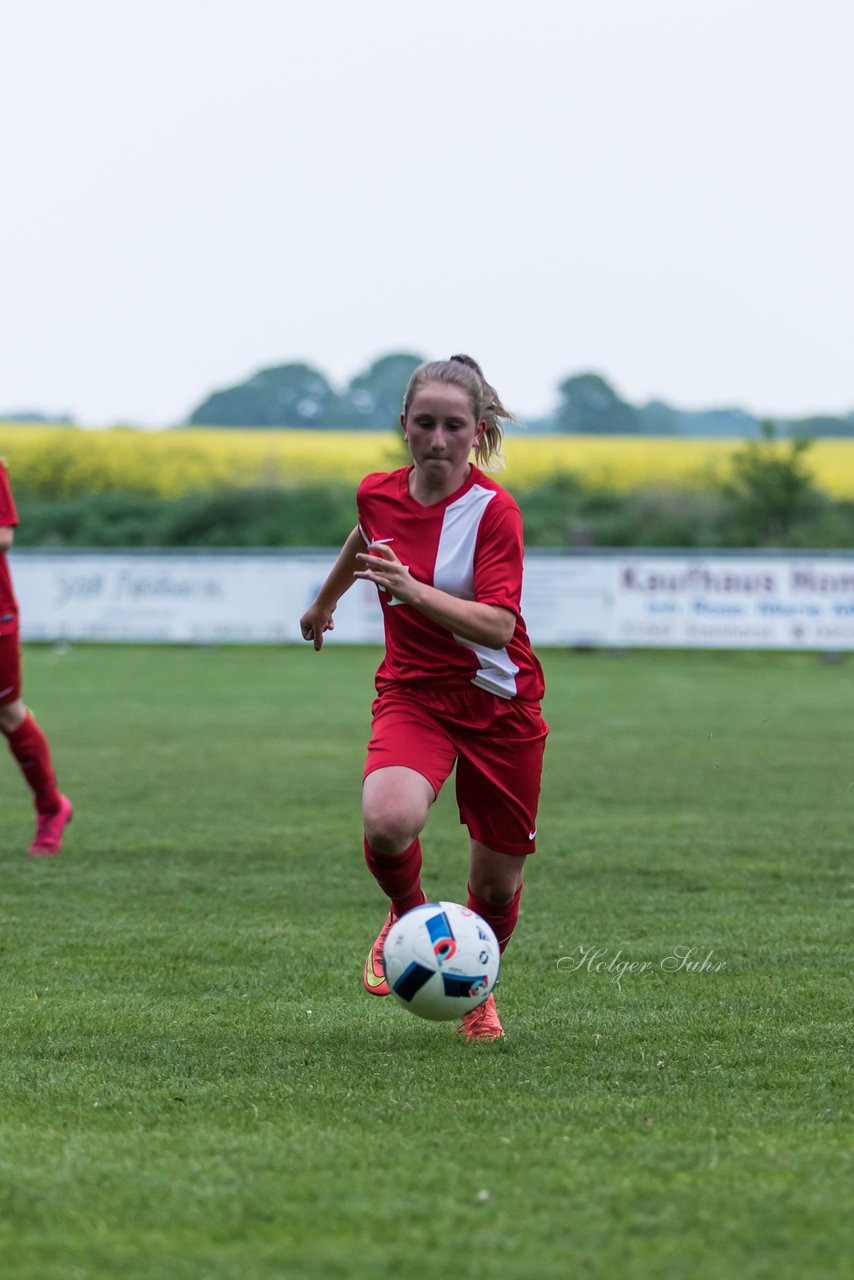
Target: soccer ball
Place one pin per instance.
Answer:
(441, 960)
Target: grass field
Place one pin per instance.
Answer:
(193, 1085)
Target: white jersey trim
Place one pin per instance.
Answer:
(497, 671)
(454, 569)
(454, 573)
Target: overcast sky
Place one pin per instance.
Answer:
(660, 190)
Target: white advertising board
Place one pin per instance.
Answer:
(206, 599)
(616, 599)
(731, 602)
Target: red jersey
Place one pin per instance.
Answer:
(469, 545)
(8, 517)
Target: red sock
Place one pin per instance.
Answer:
(501, 919)
(29, 747)
(398, 875)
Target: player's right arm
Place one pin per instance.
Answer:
(7, 537)
(318, 616)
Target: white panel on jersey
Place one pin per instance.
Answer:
(497, 673)
(454, 573)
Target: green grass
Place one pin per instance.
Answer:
(193, 1085)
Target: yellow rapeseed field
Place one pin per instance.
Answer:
(64, 462)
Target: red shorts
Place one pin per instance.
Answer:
(496, 743)
(10, 668)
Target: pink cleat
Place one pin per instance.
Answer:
(49, 830)
(482, 1023)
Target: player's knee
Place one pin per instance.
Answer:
(388, 831)
(11, 716)
(497, 890)
(495, 895)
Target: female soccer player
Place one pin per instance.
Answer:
(26, 740)
(459, 683)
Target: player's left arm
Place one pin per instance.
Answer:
(7, 537)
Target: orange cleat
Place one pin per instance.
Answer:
(482, 1023)
(49, 830)
(374, 975)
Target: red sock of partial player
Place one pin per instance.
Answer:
(398, 875)
(501, 919)
(29, 747)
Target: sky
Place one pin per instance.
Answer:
(658, 190)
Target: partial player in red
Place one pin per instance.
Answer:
(459, 683)
(26, 740)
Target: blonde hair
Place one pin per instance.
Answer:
(462, 371)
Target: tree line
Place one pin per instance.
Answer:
(299, 395)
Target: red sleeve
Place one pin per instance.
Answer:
(8, 514)
(499, 555)
(362, 498)
(361, 495)
(373, 485)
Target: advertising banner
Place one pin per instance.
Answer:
(589, 599)
(731, 602)
(216, 598)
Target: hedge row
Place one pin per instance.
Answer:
(559, 513)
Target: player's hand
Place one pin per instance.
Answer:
(383, 568)
(314, 622)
